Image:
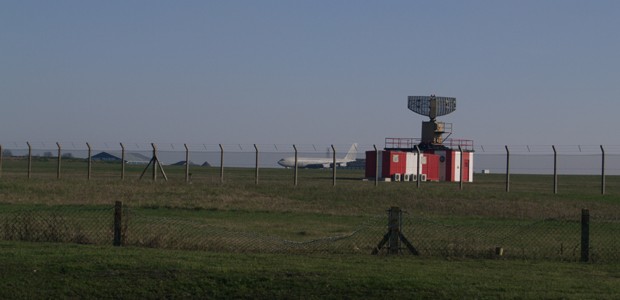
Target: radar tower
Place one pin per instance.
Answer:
(433, 107)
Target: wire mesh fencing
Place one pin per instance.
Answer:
(198, 234)
(558, 238)
(567, 238)
(487, 238)
(62, 224)
(266, 163)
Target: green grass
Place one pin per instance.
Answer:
(441, 220)
(351, 196)
(75, 271)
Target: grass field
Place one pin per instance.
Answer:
(531, 196)
(314, 209)
(74, 271)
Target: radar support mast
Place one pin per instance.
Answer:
(433, 107)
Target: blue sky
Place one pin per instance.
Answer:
(308, 72)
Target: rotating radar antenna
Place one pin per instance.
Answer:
(433, 107)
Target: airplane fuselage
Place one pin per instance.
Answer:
(315, 162)
(307, 162)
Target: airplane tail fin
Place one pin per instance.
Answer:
(352, 154)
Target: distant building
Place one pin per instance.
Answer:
(182, 163)
(130, 157)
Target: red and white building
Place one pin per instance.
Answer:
(399, 161)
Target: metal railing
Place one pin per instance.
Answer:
(411, 143)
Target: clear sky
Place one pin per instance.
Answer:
(306, 72)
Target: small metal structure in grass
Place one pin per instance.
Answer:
(394, 236)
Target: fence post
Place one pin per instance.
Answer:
(221, 164)
(122, 161)
(376, 165)
(29, 160)
(394, 235)
(461, 169)
(1, 156)
(295, 172)
(602, 171)
(394, 221)
(59, 160)
(118, 221)
(585, 235)
(256, 173)
(334, 167)
(155, 160)
(186, 163)
(89, 159)
(555, 170)
(507, 169)
(418, 179)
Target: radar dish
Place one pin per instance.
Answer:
(432, 106)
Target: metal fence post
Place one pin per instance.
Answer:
(118, 221)
(221, 164)
(256, 171)
(376, 165)
(555, 170)
(1, 156)
(295, 172)
(418, 179)
(29, 160)
(461, 169)
(334, 167)
(155, 160)
(394, 221)
(585, 235)
(186, 163)
(59, 160)
(507, 169)
(602, 170)
(394, 235)
(122, 161)
(89, 160)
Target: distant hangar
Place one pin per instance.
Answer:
(130, 157)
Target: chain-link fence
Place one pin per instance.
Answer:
(198, 234)
(570, 238)
(265, 163)
(200, 163)
(63, 224)
(549, 239)
(217, 162)
(558, 238)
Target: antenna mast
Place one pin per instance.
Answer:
(433, 107)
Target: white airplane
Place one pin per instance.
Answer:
(313, 162)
